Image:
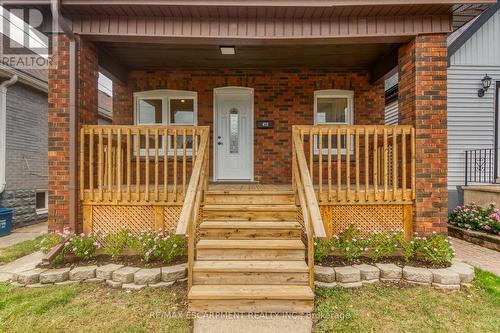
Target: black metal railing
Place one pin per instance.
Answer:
(481, 166)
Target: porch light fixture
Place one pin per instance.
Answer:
(227, 50)
(486, 83)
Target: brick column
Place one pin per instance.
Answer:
(58, 118)
(122, 104)
(423, 104)
(58, 143)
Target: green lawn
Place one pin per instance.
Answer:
(390, 308)
(382, 308)
(92, 308)
(19, 250)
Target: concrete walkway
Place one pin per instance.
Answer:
(478, 256)
(249, 324)
(22, 234)
(20, 265)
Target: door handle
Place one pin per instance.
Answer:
(219, 143)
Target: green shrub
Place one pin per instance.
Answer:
(435, 249)
(115, 243)
(350, 243)
(407, 247)
(383, 245)
(474, 217)
(82, 246)
(49, 241)
(159, 245)
(322, 248)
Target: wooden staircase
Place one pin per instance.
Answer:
(250, 256)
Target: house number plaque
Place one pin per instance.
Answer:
(265, 124)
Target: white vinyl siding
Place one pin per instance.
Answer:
(483, 48)
(392, 113)
(470, 118)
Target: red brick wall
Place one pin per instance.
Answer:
(423, 103)
(58, 118)
(122, 104)
(285, 96)
(58, 97)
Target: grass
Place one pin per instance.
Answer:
(92, 308)
(373, 308)
(19, 250)
(397, 308)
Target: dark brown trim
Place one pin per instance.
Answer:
(384, 65)
(474, 27)
(254, 3)
(111, 67)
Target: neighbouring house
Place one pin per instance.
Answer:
(252, 127)
(23, 144)
(474, 53)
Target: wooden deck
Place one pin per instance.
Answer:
(250, 240)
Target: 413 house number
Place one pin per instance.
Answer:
(264, 124)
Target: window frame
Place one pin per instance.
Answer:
(45, 210)
(334, 93)
(165, 95)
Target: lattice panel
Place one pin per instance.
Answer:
(367, 217)
(108, 219)
(300, 219)
(171, 216)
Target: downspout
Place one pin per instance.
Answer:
(3, 129)
(66, 28)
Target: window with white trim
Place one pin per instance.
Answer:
(42, 202)
(333, 107)
(166, 107)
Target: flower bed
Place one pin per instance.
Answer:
(474, 217)
(350, 247)
(146, 249)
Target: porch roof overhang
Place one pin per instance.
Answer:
(152, 34)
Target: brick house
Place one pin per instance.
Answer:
(244, 115)
(23, 144)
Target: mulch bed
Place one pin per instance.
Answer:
(333, 261)
(103, 259)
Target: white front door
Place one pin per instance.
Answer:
(233, 133)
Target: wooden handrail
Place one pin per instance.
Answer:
(303, 182)
(197, 180)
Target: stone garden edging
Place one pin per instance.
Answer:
(451, 278)
(480, 238)
(114, 275)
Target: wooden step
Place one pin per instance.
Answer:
(228, 249)
(251, 298)
(250, 212)
(251, 272)
(249, 197)
(234, 229)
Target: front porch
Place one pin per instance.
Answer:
(295, 111)
(125, 184)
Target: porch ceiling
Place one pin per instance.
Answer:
(133, 56)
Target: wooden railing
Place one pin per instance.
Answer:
(198, 185)
(137, 164)
(304, 192)
(360, 164)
